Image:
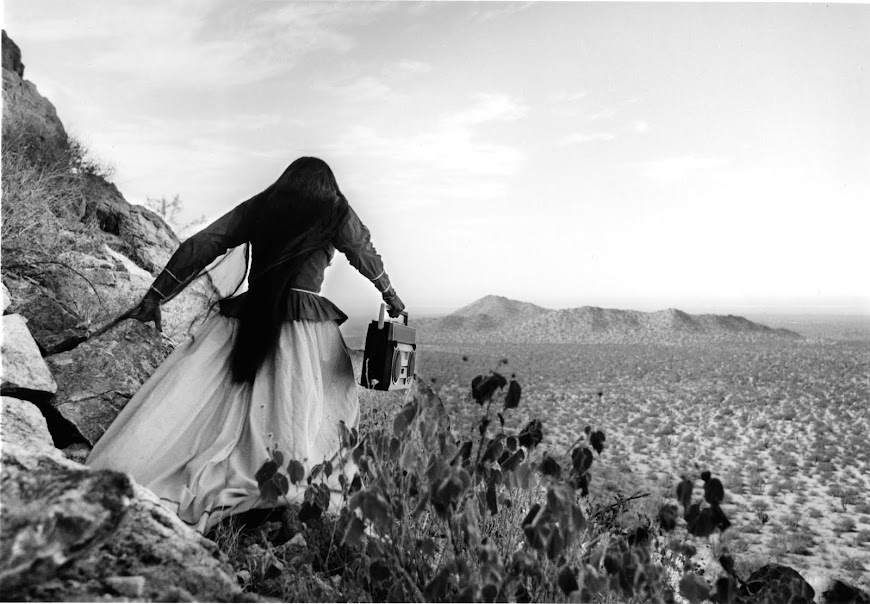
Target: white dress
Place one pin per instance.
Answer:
(196, 438)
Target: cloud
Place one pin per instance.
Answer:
(448, 161)
(568, 97)
(447, 150)
(502, 10)
(411, 66)
(207, 161)
(673, 169)
(201, 43)
(579, 138)
(366, 88)
(372, 88)
(489, 107)
(600, 114)
(640, 126)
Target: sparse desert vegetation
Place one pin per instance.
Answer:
(443, 514)
(783, 423)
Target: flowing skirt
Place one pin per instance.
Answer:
(196, 438)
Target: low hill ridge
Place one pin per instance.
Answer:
(500, 319)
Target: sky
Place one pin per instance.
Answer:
(706, 157)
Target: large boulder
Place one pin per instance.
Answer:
(23, 367)
(135, 231)
(81, 291)
(71, 533)
(98, 377)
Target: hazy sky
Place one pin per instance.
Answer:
(707, 157)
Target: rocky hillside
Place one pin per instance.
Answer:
(75, 254)
(499, 319)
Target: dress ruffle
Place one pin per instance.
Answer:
(301, 306)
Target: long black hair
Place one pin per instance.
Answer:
(295, 217)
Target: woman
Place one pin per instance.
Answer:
(270, 371)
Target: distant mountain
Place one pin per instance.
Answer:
(499, 319)
(489, 316)
(501, 308)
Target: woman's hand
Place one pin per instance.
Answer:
(148, 311)
(394, 304)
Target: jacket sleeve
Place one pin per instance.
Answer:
(200, 250)
(354, 241)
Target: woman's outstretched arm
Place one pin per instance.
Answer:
(193, 255)
(354, 241)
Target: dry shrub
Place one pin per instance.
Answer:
(43, 184)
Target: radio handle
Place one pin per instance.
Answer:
(403, 314)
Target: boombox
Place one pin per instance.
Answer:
(388, 360)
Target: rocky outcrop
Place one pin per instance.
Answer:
(22, 104)
(113, 248)
(70, 533)
(110, 252)
(12, 56)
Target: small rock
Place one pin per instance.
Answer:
(271, 531)
(77, 452)
(177, 594)
(254, 550)
(24, 425)
(776, 583)
(290, 520)
(23, 367)
(131, 587)
(328, 592)
(243, 576)
(841, 592)
(275, 568)
(5, 299)
(298, 540)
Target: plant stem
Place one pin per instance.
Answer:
(618, 504)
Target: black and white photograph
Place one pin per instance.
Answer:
(437, 301)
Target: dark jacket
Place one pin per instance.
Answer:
(234, 228)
